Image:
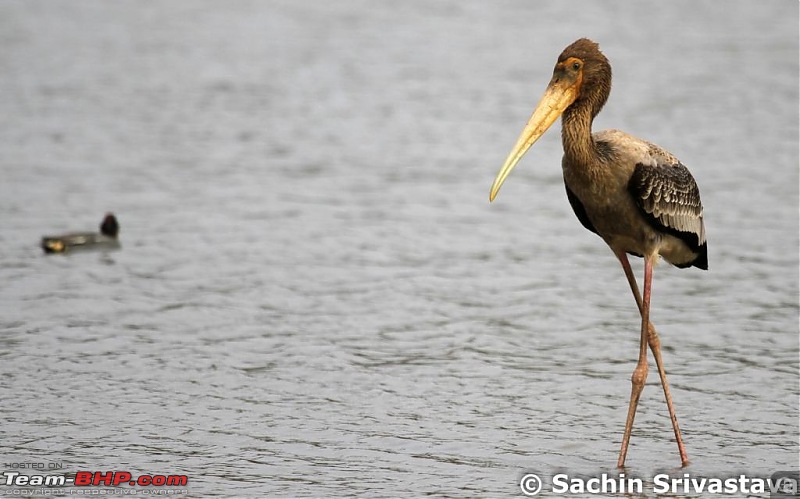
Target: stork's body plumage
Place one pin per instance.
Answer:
(639, 198)
(635, 195)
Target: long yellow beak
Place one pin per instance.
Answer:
(557, 97)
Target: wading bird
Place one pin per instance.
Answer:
(635, 195)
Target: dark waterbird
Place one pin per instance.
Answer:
(635, 195)
(105, 239)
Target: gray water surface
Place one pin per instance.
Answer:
(314, 296)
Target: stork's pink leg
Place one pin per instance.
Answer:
(655, 346)
(639, 375)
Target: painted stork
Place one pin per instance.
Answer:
(635, 195)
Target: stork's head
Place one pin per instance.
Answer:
(584, 66)
(581, 79)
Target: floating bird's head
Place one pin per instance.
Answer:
(582, 77)
(110, 226)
